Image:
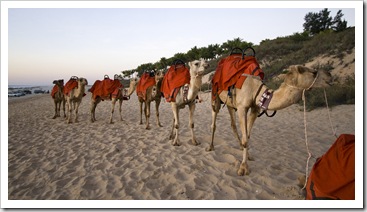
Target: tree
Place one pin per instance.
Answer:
(321, 21)
(338, 23)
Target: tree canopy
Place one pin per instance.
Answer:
(321, 21)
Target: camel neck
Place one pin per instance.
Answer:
(195, 84)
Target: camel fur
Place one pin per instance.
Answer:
(58, 97)
(74, 97)
(152, 94)
(197, 69)
(95, 100)
(298, 79)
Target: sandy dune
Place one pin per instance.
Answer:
(51, 160)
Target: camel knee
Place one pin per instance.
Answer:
(176, 126)
(192, 125)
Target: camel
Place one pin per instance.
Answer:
(74, 97)
(298, 79)
(58, 97)
(152, 94)
(120, 96)
(197, 68)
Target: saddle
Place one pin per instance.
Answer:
(233, 70)
(70, 85)
(177, 75)
(55, 89)
(146, 80)
(106, 88)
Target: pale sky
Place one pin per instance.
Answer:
(45, 44)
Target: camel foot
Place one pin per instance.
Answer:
(175, 144)
(195, 143)
(140, 123)
(111, 122)
(210, 148)
(147, 128)
(160, 125)
(54, 117)
(243, 170)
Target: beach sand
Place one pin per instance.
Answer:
(51, 160)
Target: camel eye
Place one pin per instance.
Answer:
(196, 64)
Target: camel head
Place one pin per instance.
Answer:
(82, 81)
(159, 75)
(59, 82)
(197, 67)
(303, 77)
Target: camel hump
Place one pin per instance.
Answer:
(234, 69)
(177, 75)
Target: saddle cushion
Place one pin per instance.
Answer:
(176, 76)
(333, 174)
(70, 85)
(144, 83)
(230, 72)
(106, 88)
(55, 89)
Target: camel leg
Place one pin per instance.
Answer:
(93, 105)
(157, 102)
(215, 111)
(176, 125)
(55, 103)
(63, 107)
(250, 123)
(214, 118)
(120, 110)
(141, 112)
(233, 125)
(70, 111)
(191, 123)
(147, 114)
(171, 136)
(76, 106)
(251, 120)
(242, 114)
(113, 102)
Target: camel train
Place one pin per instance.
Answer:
(238, 75)
(111, 90)
(148, 90)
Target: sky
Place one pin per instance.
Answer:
(45, 44)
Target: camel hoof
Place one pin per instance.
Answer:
(196, 143)
(210, 148)
(175, 144)
(147, 128)
(240, 172)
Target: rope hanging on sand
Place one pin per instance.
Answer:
(306, 141)
(305, 123)
(328, 111)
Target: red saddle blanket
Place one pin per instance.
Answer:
(70, 85)
(55, 89)
(144, 83)
(232, 71)
(333, 174)
(106, 88)
(176, 76)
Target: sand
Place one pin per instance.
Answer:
(51, 160)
